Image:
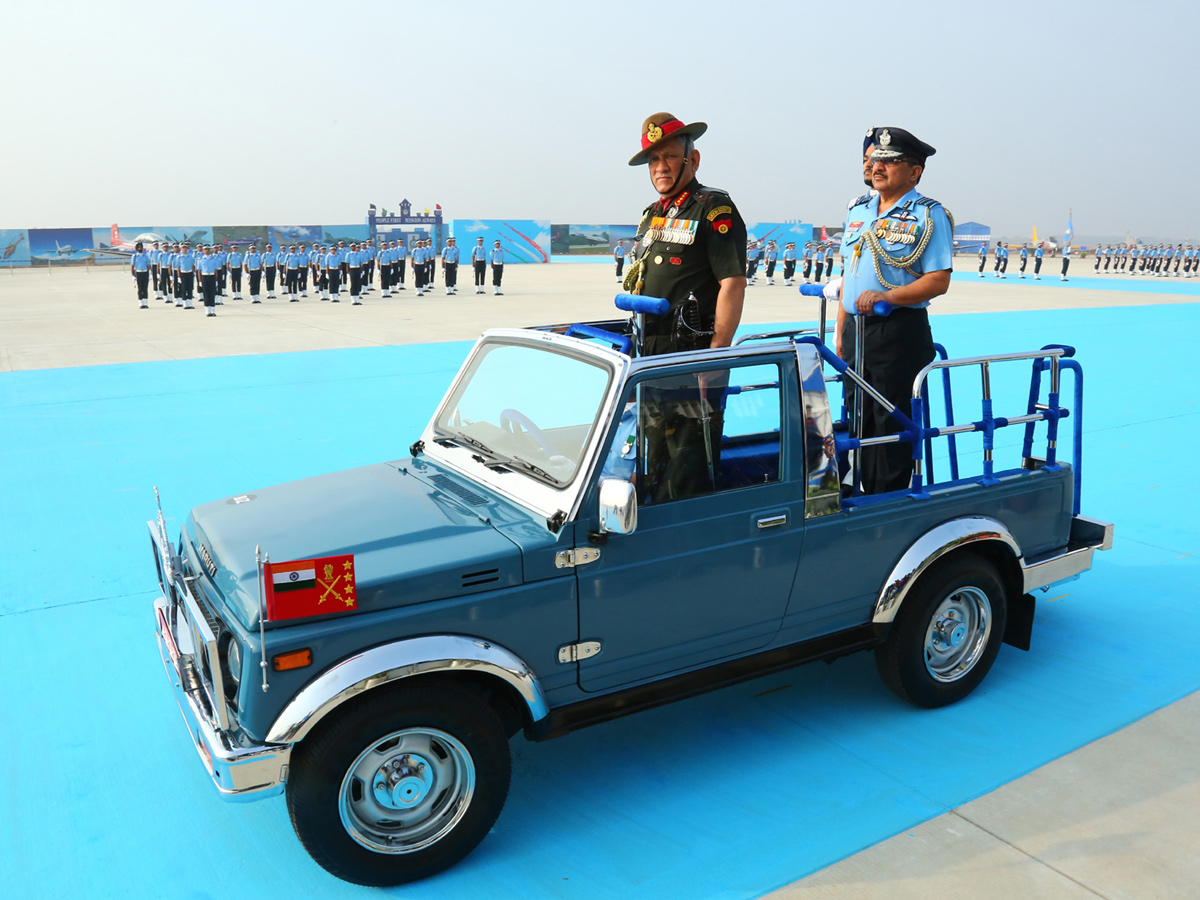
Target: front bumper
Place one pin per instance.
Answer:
(240, 770)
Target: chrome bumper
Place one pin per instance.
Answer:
(239, 773)
(1087, 536)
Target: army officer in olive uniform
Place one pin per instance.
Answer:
(691, 242)
(690, 249)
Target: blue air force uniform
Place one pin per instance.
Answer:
(450, 267)
(139, 266)
(884, 251)
(479, 261)
(497, 260)
(254, 265)
(234, 265)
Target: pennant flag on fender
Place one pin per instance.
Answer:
(310, 587)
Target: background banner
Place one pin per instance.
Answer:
(14, 247)
(523, 240)
(60, 246)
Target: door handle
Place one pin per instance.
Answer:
(772, 521)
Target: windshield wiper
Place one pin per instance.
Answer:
(459, 438)
(516, 462)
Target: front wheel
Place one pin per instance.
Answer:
(947, 633)
(401, 785)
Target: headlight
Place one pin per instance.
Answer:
(231, 663)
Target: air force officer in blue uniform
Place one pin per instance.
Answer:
(898, 246)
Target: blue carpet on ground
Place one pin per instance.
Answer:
(724, 796)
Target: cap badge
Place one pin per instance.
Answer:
(653, 133)
(870, 131)
(885, 138)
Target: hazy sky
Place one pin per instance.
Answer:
(264, 112)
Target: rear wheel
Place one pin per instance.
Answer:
(947, 633)
(401, 785)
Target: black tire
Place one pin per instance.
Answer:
(921, 660)
(439, 767)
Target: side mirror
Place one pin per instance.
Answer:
(618, 506)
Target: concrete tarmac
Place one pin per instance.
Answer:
(86, 317)
(1116, 818)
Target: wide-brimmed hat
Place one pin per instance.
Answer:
(663, 125)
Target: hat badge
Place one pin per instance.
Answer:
(870, 131)
(653, 133)
(885, 138)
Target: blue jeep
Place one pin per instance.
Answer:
(579, 534)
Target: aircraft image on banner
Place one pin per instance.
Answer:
(118, 246)
(192, 237)
(63, 252)
(12, 248)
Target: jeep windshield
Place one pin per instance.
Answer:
(529, 409)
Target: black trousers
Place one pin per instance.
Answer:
(807, 268)
(620, 265)
(154, 273)
(334, 277)
(752, 268)
(497, 274)
(270, 270)
(982, 260)
(304, 278)
(143, 284)
(187, 284)
(480, 272)
(221, 280)
(817, 267)
(255, 281)
(402, 264)
(771, 268)
(1004, 265)
(1024, 260)
(355, 280)
(1107, 262)
(208, 284)
(385, 273)
(451, 277)
(1066, 262)
(235, 280)
(1037, 265)
(371, 272)
(895, 349)
(789, 269)
(293, 280)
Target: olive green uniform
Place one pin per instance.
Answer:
(686, 245)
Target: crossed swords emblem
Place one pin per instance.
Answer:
(329, 587)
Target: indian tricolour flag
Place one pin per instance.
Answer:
(310, 587)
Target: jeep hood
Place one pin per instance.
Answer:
(411, 541)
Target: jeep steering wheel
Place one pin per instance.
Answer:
(511, 417)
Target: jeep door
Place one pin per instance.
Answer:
(708, 571)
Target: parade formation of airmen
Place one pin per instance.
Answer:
(172, 270)
(1162, 261)
(817, 259)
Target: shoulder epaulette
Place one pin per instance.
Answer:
(930, 202)
(858, 201)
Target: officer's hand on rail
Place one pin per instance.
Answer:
(872, 303)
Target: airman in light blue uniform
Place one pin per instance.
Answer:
(497, 260)
(234, 264)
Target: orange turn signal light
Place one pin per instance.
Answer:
(295, 659)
